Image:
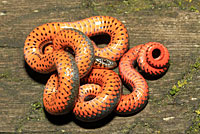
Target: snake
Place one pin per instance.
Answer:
(61, 91)
(87, 64)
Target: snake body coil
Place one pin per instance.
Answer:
(45, 51)
(152, 58)
(103, 103)
(60, 97)
(91, 26)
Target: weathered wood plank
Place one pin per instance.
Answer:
(21, 88)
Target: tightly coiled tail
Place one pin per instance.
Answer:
(102, 103)
(152, 58)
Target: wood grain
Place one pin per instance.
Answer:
(20, 87)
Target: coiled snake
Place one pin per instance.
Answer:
(45, 51)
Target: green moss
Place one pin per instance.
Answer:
(36, 105)
(189, 1)
(177, 87)
(190, 5)
(193, 9)
(4, 75)
(197, 112)
(187, 77)
(35, 114)
(135, 5)
(195, 127)
(148, 127)
(9, 76)
(182, 83)
(117, 7)
(129, 6)
(174, 90)
(196, 65)
(128, 128)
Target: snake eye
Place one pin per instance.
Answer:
(104, 60)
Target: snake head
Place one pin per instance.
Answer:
(104, 63)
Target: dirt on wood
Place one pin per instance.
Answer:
(173, 106)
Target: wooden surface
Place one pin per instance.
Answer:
(21, 88)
